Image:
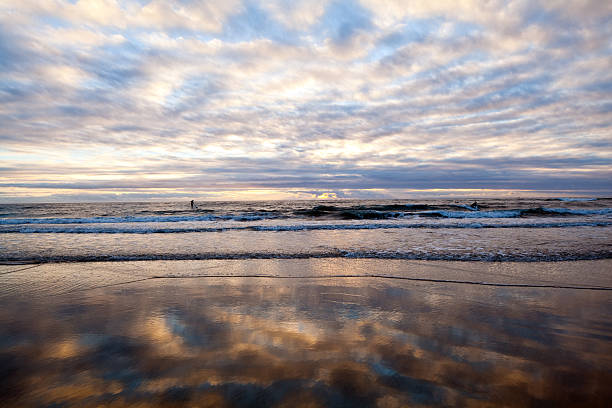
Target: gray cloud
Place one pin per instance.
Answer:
(337, 96)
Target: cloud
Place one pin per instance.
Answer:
(300, 14)
(320, 96)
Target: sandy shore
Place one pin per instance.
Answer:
(319, 332)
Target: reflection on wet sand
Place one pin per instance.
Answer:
(306, 342)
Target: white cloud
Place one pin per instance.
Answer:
(168, 90)
(197, 15)
(296, 14)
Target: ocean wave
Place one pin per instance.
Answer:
(134, 219)
(433, 211)
(382, 212)
(571, 199)
(29, 229)
(516, 213)
(481, 256)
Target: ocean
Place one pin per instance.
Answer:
(343, 303)
(500, 229)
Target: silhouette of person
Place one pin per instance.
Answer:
(474, 205)
(192, 205)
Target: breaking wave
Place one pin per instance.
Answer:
(574, 199)
(432, 256)
(28, 229)
(329, 212)
(130, 219)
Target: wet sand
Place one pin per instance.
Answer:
(312, 332)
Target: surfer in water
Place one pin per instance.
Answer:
(474, 205)
(192, 205)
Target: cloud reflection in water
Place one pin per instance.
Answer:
(269, 342)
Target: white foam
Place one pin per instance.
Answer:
(602, 211)
(477, 214)
(517, 213)
(130, 219)
(570, 199)
(147, 229)
(250, 217)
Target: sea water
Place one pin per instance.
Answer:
(441, 229)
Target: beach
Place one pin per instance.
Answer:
(347, 203)
(306, 332)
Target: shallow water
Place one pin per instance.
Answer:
(79, 335)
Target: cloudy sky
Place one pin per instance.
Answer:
(240, 99)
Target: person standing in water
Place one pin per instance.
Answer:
(192, 205)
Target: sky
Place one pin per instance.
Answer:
(293, 99)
